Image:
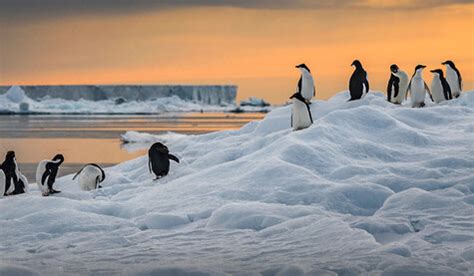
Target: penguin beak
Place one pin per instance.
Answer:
(444, 63)
(423, 66)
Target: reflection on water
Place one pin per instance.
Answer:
(96, 138)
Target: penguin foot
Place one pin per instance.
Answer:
(53, 191)
(45, 194)
(99, 187)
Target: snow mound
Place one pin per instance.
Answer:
(15, 94)
(370, 188)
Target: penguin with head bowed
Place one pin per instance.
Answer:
(418, 88)
(46, 173)
(306, 83)
(453, 76)
(159, 160)
(358, 83)
(439, 87)
(300, 113)
(397, 85)
(15, 181)
(90, 176)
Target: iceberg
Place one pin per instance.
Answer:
(370, 188)
(119, 99)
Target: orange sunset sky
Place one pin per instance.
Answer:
(253, 44)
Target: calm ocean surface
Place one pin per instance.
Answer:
(96, 138)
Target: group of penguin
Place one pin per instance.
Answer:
(89, 177)
(399, 84)
(13, 182)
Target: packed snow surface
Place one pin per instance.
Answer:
(16, 101)
(371, 188)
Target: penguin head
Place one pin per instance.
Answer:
(437, 72)
(10, 156)
(302, 67)
(59, 158)
(356, 63)
(394, 68)
(450, 63)
(419, 68)
(160, 148)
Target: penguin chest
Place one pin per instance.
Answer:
(453, 81)
(307, 88)
(301, 117)
(418, 91)
(40, 171)
(437, 91)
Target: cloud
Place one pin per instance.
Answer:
(35, 9)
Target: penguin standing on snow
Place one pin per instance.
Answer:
(397, 85)
(418, 87)
(454, 78)
(159, 160)
(46, 173)
(300, 113)
(306, 83)
(358, 83)
(90, 176)
(439, 87)
(15, 181)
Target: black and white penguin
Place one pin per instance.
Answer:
(306, 83)
(439, 87)
(397, 85)
(90, 176)
(15, 181)
(300, 113)
(454, 78)
(418, 87)
(46, 173)
(159, 160)
(358, 83)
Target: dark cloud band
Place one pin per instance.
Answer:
(30, 9)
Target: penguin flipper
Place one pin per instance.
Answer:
(149, 165)
(366, 83)
(300, 83)
(408, 89)
(174, 158)
(427, 89)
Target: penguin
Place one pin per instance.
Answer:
(90, 176)
(454, 78)
(46, 173)
(300, 113)
(358, 83)
(2, 183)
(15, 181)
(439, 87)
(306, 83)
(418, 87)
(397, 85)
(159, 160)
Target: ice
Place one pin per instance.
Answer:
(120, 99)
(371, 188)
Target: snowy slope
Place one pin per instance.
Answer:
(369, 189)
(16, 101)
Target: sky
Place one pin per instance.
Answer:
(252, 44)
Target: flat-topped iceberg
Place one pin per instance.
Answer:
(119, 99)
